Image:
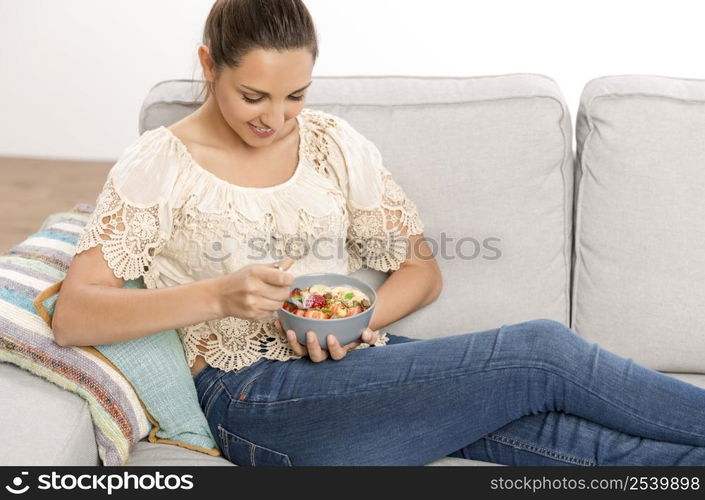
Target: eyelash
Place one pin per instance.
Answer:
(254, 101)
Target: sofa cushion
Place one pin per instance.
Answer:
(487, 160)
(639, 268)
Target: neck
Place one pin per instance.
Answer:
(217, 129)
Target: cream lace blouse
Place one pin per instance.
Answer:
(162, 216)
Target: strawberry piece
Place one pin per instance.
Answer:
(318, 301)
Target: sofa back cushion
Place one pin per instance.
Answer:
(488, 162)
(640, 211)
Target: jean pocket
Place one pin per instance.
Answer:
(245, 453)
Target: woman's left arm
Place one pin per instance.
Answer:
(415, 284)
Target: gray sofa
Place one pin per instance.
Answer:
(607, 239)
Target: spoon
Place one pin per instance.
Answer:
(297, 303)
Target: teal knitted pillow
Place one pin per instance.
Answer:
(155, 365)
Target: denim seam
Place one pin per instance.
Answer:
(539, 450)
(465, 372)
(211, 384)
(213, 396)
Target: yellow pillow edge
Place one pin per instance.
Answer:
(45, 294)
(152, 437)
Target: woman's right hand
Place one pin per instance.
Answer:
(255, 291)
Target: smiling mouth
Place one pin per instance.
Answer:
(261, 129)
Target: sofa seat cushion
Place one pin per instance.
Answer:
(156, 454)
(150, 454)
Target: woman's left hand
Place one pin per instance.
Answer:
(314, 350)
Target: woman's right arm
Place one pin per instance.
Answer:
(93, 308)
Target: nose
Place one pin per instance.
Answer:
(275, 116)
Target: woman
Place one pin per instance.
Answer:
(183, 206)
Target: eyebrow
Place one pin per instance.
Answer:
(265, 93)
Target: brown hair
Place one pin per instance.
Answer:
(234, 27)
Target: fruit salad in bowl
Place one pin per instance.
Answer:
(321, 301)
(328, 303)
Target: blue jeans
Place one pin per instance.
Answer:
(530, 393)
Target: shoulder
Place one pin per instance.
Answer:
(324, 120)
(335, 131)
(148, 168)
(143, 149)
(154, 150)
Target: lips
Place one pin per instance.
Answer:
(259, 133)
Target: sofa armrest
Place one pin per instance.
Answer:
(43, 424)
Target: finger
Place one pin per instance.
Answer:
(368, 336)
(286, 263)
(315, 352)
(352, 345)
(274, 276)
(334, 348)
(267, 306)
(279, 293)
(298, 349)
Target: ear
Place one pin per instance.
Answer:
(204, 55)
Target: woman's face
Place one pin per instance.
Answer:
(268, 89)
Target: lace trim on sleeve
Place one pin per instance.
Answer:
(128, 234)
(378, 237)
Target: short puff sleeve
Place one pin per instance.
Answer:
(133, 216)
(381, 215)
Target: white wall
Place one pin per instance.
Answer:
(75, 72)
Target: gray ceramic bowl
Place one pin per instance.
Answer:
(345, 330)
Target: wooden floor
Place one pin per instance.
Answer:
(31, 189)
